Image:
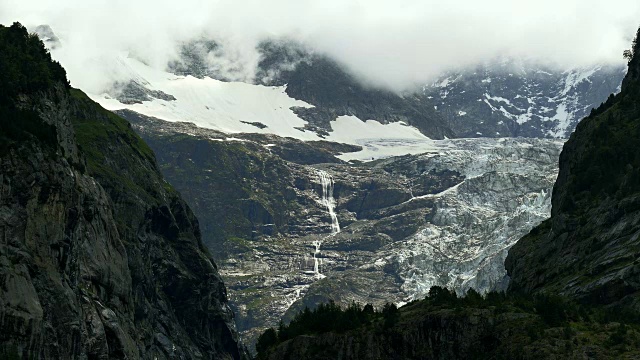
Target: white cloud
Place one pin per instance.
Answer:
(392, 43)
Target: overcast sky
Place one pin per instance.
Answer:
(391, 43)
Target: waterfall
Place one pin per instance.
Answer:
(316, 265)
(329, 202)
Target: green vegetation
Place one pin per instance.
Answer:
(327, 318)
(25, 65)
(531, 319)
(26, 68)
(609, 161)
(96, 128)
(630, 53)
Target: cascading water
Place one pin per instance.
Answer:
(330, 203)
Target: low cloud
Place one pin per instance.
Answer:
(393, 44)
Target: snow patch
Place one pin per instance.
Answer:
(232, 107)
(378, 140)
(215, 104)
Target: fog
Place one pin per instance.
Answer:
(393, 44)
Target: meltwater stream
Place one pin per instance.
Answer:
(330, 203)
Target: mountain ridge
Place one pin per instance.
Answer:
(520, 98)
(100, 258)
(594, 216)
(309, 94)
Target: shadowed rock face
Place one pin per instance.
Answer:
(589, 248)
(99, 257)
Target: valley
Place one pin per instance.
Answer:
(310, 186)
(301, 201)
(289, 233)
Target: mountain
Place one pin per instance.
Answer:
(446, 217)
(573, 290)
(250, 163)
(323, 82)
(344, 112)
(506, 98)
(311, 186)
(99, 256)
(290, 90)
(590, 244)
(500, 98)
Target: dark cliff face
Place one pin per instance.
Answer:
(100, 258)
(589, 248)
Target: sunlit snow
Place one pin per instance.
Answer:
(231, 107)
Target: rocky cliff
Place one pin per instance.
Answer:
(589, 247)
(99, 257)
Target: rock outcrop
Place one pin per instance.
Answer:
(99, 257)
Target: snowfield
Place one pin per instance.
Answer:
(236, 107)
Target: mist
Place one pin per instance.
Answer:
(390, 44)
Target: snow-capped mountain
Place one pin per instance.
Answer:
(519, 98)
(265, 147)
(287, 89)
(340, 112)
(298, 93)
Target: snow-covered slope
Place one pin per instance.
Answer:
(231, 107)
(194, 89)
(297, 93)
(237, 107)
(517, 98)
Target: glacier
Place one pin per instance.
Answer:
(402, 214)
(444, 215)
